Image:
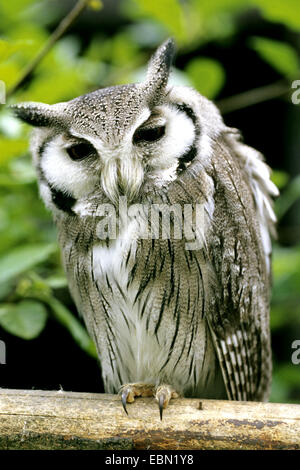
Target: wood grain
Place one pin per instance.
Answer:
(33, 419)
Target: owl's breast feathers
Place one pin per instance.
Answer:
(143, 301)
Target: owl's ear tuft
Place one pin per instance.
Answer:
(159, 67)
(35, 114)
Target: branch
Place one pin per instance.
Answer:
(255, 96)
(33, 419)
(55, 36)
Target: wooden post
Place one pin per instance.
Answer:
(33, 419)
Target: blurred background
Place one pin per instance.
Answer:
(243, 54)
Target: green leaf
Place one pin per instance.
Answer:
(14, 8)
(287, 11)
(206, 75)
(5, 289)
(10, 148)
(95, 4)
(281, 56)
(290, 195)
(79, 333)
(279, 178)
(9, 71)
(168, 12)
(208, 8)
(56, 281)
(208, 20)
(34, 287)
(26, 319)
(286, 261)
(23, 258)
(8, 48)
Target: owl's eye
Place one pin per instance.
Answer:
(80, 151)
(150, 134)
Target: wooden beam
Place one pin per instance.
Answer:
(33, 419)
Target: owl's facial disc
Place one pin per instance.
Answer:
(163, 140)
(75, 166)
(68, 169)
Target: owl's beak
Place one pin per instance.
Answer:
(122, 177)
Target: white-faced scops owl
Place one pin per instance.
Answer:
(164, 219)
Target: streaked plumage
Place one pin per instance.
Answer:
(196, 319)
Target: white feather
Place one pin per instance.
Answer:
(64, 174)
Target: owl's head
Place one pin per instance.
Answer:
(122, 140)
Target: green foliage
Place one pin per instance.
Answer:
(290, 196)
(34, 287)
(10, 148)
(278, 54)
(206, 75)
(279, 178)
(168, 13)
(23, 258)
(286, 295)
(25, 319)
(287, 12)
(30, 266)
(95, 4)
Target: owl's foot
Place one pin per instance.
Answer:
(130, 391)
(163, 394)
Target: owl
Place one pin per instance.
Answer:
(164, 221)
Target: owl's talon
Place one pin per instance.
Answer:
(163, 395)
(128, 392)
(161, 405)
(124, 399)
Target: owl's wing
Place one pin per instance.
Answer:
(257, 174)
(238, 315)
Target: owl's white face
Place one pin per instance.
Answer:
(75, 163)
(80, 163)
